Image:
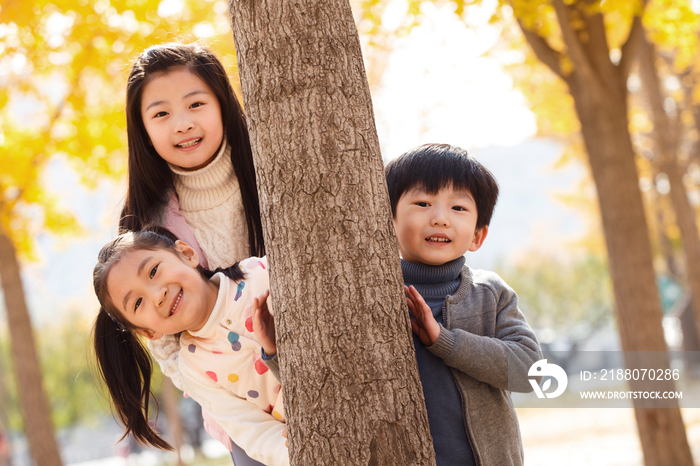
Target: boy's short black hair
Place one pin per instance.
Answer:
(436, 166)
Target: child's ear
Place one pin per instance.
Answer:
(479, 237)
(150, 334)
(189, 253)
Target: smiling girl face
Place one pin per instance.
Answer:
(182, 116)
(161, 292)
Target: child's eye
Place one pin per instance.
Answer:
(422, 204)
(153, 271)
(459, 208)
(196, 104)
(160, 114)
(137, 304)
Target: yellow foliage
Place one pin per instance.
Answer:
(671, 24)
(62, 91)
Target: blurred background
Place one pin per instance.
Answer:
(440, 71)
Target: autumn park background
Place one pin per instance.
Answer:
(587, 112)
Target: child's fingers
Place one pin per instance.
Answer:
(263, 298)
(256, 310)
(417, 296)
(409, 303)
(414, 326)
(257, 322)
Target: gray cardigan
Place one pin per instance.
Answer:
(490, 347)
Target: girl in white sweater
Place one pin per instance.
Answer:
(150, 284)
(191, 170)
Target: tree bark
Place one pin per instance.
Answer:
(36, 412)
(351, 385)
(666, 137)
(599, 91)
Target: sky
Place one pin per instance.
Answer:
(437, 86)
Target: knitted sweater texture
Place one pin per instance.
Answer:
(489, 347)
(211, 203)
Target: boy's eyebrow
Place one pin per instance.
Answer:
(465, 194)
(138, 272)
(158, 102)
(418, 190)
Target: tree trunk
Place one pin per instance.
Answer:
(5, 446)
(664, 241)
(599, 91)
(351, 385)
(171, 395)
(666, 136)
(34, 405)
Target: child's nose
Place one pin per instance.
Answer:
(440, 218)
(161, 297)
(183, 124)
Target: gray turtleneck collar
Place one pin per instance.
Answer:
(433, 281)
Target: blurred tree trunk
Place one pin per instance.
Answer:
(666, 137)
(171, 395)
(665, 241)
(5, 446)
(351, 385)
(599, 90)
(695, 149)
(35, 408)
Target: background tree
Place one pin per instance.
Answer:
(61, 84)
(573, 299)
(590, 46)
(667, 135)
(352, 391)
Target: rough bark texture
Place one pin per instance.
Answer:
(35, 408)
(666, 137)
(599, 91)
(351, 385)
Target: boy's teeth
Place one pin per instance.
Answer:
(189, 143)
(440, 240)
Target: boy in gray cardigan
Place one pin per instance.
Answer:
(473, 345)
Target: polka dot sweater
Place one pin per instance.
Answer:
(225, 351)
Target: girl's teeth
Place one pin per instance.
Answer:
(439, 240)
(190, 143)
(176, 303)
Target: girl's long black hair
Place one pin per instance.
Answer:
(150, 179)
(123, 361)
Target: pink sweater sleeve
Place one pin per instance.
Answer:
(176, 223)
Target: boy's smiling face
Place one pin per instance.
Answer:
(434, 229)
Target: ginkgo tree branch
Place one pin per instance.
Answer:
(39, 157)
(630, 48)
(543, 51)
(577, 54)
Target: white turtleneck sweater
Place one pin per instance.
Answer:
(211, 203)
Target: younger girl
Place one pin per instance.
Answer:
(150, 285)
(191, 170)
